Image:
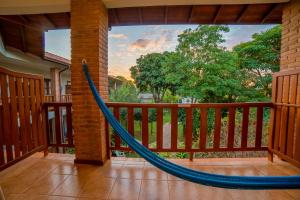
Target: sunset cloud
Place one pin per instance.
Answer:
(118, 36)
(146, 45)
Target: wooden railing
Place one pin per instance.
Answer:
(209, 137)
(222, 127)
(285, 117)
(63, 98)
(59, 124)
(21, 117)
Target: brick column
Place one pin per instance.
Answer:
(89, 32)
(290, 41)
(55, 84)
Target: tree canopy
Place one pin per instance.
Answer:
(202, 69)
(149, 75)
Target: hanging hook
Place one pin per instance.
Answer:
(84, 61)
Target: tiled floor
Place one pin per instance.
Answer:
(56, 177)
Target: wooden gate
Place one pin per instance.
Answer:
(21, 117)
(285, 116)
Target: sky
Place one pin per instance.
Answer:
(127, 43)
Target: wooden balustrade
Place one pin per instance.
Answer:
(285, 116)
(210, 131)
(21, 117)
(223, 126)
(59, 124)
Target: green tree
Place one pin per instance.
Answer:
(258, 59)
(202, 69)
(127, 92)
(149, 75)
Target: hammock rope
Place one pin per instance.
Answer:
(204, 178)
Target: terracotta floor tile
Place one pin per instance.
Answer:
(97, 187)
(46, 184)
(126, 189)
(65, 168)
(179, 190)
(72, 186)
(154, 173)
(154, 190)
(132, 172)
(260, 194)
(37, 197)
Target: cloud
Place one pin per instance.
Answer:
(158, 44)
(118, 36)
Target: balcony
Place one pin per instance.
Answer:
(56, 177)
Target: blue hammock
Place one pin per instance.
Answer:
(216, 180)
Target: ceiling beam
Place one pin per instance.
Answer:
(24, 19)
(242, 13)
(269, 12)
(166, 14)
(140, 15)
(23, 39)
(12, 19)
(217, 13)
(50, 21)
(191, 13)
(116, 16)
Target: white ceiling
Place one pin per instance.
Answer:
(18, 7)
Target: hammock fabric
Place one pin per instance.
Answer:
(216, 180)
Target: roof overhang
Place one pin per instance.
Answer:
(22, 7)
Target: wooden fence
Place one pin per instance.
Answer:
(21, 116)
(192, 144)
(285, 117)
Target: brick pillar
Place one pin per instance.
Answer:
(290, 41)
(55, 84)
(89, 32)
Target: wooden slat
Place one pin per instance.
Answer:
(231, 127)
(14, 131)
(1, 133)
(145, 129)
(245, 126)
(117, 116)
(46, 109)
(278, 113)
(38, 112)
(203, 128)
(272, 118)
(159, 128)
(217, 131)
(57, 125)
(291, 116)
(174, 128)
(108, 144)
(33, 114)
(188, 129)
(69, 125)
(27, 114)
(297, 131)
(130, 121)
(259, 125)
(284, 115)
(22, 128)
